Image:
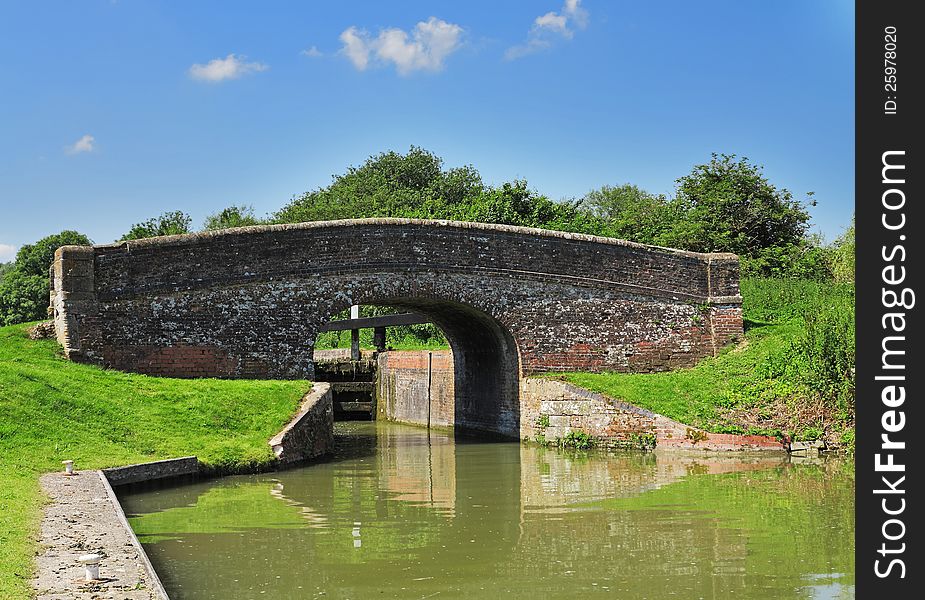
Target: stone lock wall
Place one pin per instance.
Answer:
(512, 302)
(416, 387)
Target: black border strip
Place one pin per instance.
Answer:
(887, 130)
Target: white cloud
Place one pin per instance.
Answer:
(84, 144)
(220, 69)
(7, 252)
(576, 13)
(355, 47)
(550, 27)
(424, 49)
(312, 52)
(555, 23)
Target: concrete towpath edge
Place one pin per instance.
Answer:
(155, 582)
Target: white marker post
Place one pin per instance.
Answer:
(91, 563)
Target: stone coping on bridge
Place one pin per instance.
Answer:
(180, 239)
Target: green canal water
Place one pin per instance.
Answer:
(402, 512)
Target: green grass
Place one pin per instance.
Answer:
(52, 409)
(792, 375)
(398, 340)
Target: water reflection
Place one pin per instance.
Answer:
(401, 512)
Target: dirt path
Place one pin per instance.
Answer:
(80, 519)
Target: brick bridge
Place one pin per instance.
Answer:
(249, 302)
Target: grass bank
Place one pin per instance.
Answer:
(793, 373)
(52, 409)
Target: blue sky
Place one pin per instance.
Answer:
(113, 112)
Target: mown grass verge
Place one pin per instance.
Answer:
(793, 374)
(52, 409)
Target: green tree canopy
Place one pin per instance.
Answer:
(727, 205)
(389, 184)
(4, 267)
(233, 216)
(415, 185)
(841, 259)
(630, 212)
(23, 297)
(168, 223)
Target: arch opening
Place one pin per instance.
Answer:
(485, 364)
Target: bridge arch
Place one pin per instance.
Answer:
(486, 365)
(248, 302)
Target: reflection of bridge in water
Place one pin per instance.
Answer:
(423, 466)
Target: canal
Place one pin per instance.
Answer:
(403, 512)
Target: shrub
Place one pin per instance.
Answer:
(827, 353)
(233, 216)
(777, 300)
(168, 223)
(579, 440)
(841, 258)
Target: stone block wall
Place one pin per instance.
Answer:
(311, 432)
(158, 469)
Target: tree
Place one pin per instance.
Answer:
(233, 216)
(24, 285)
(631, 213)
(168, 223)
(23, 297)
(390, 184)
(415, 185)
(727, 205)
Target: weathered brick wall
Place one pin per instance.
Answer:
(512, 301)
(416, 387)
